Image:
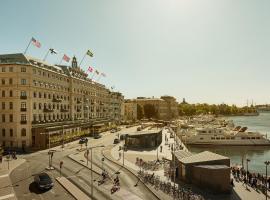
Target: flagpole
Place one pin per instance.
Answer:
(46, 55)
(82, 59)
(60, 61)
(27, 46)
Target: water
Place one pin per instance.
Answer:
(257, 155)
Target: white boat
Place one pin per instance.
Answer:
(225, 136)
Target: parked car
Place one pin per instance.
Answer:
(97, 136)
(116, 141)
(83, 140)
(43, 181)
(113, 131)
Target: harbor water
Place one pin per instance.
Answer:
(238, 155)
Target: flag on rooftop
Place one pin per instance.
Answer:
(35, 42)
(52, 51)
(103, 74)
(66, 58)
(90, 69)
(89, 53)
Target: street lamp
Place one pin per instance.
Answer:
(266, 164)
(92, 166)
(247, 173)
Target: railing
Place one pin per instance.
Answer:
(47, 110)
(23, 97)
(56, 100)
(23, 122)
(23, 109)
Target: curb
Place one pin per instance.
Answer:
(130, 172)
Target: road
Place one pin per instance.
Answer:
(22, 177)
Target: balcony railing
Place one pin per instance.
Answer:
(23, 97)
(79, 101)
(23, 109)
(47, 110)
(56, 100)
(63, 110)
(23, 122)
(79, 110)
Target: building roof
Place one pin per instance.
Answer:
(213, 166)
(146, 132)
(202, 157)
(182, 154)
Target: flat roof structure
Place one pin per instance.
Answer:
(202, 157)
(146, 132)
(182, 154)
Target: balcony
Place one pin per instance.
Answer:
(23, 122)
(79, 101)
(56, 100)
(23, 109)
(47, 110)
(63, 110)
(79, 110)
(23, 97)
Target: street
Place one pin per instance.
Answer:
(22, 176)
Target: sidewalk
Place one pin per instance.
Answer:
(6, 187)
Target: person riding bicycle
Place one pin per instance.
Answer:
(103, 174)
(116, 181)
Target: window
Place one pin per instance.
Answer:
(23, 69)
(3, 132)
(11, 132)
(23, 117)
(23, 81)
(10, 69)
(34, 106)
(34, 71)
(3, 69)
(35, 117)
(35, 94)
(40, 106)
(10, 118)
(23, 132)
(23, 104)
(10, 105)
(23, 93)
(3, 81)
(10, 81)
(39, 94)
(10, 93)
(3, 105)
(3, 93)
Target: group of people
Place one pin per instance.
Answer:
(255, 180)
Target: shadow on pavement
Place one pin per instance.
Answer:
(34, 189)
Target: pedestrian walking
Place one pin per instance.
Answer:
(119, 155)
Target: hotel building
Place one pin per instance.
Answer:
(43, 104)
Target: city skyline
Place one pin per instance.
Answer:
(213, 52)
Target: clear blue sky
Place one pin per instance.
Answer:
(206, 51)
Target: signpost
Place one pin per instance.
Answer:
(61, 165)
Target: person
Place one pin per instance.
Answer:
(232, 182)
(116, 180)
(161, 148)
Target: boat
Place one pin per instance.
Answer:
(224, 136)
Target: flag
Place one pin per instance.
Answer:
(103, 74)
(89, 53)
(112, 87)
(90, 69)
(66, 58)
(52, 51)
(36, 43)
(97, 72)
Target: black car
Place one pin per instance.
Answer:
(116, 141)
(97, 136)
(43, 181)
(83, 140)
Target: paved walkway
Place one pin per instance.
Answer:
(72, 189)
(6, 187)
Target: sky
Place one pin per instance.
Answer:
(205, 51)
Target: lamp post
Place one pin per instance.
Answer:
(247, 173)
(266, 164)
(91, 148)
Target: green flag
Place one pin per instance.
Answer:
(89, 53)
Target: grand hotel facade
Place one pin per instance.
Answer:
(43, 105)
